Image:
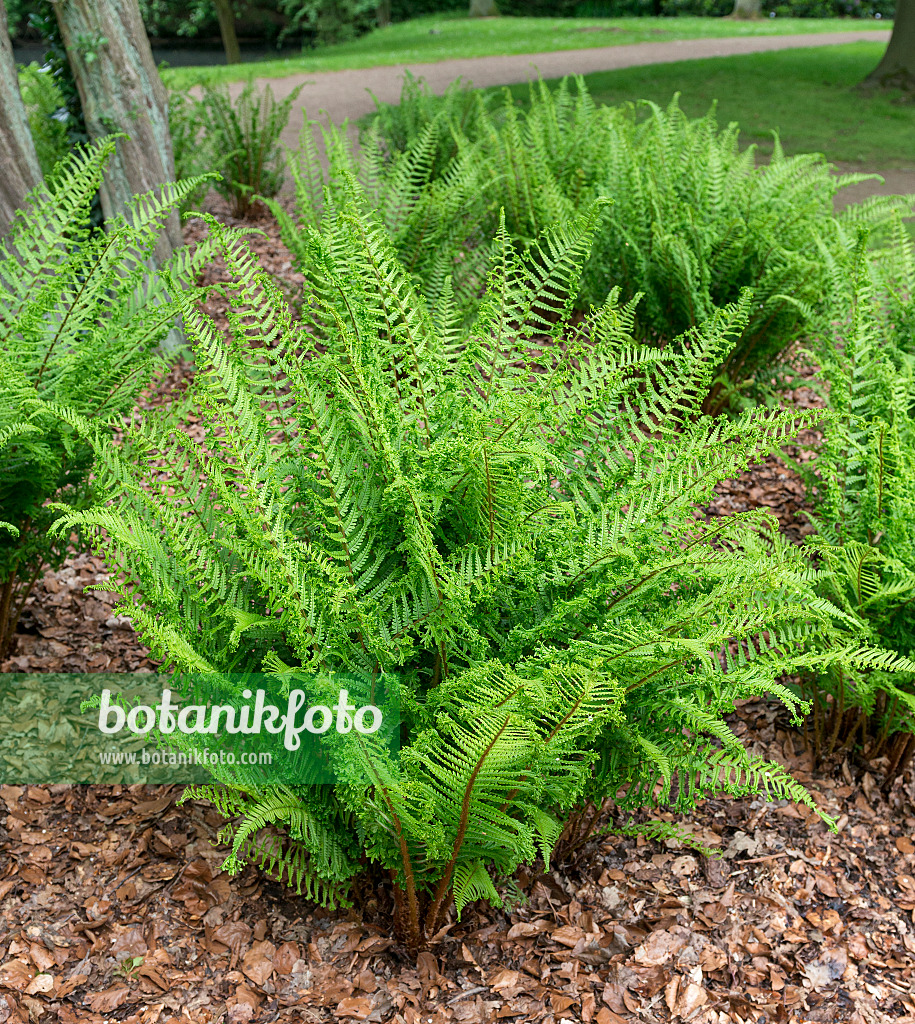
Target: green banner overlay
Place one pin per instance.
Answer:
(254, 730)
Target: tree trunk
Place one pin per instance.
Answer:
(227, 30)
(19, 168)
(483, 8)
(897, 68)
(121, 91)
(383, 13)
(747, 9)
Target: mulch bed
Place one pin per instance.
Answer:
(113, 905)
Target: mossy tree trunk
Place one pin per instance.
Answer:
(121, 91)
(483, 8)
(897, 68)
(20, 171)
(226, 16)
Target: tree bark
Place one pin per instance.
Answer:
(897, 68)
(227, 30)
(383, 13)
(20, 171)
(121, 91)
(483, 8)
(747, 9)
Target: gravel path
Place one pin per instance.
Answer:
(347, 94)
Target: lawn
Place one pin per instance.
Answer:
(439, 37)
(808, 96)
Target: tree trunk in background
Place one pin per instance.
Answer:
(746, 9)
(483, 8)
(383, 13)
(19, 168)
(227, 30)
(121, 91)
(897, 68)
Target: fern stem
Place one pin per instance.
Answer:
(73, 305)
(414, 933)
(838, 714)
(905, 750)
(444, 884)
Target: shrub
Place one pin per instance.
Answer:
(863, 479)
(242, 140)
(693, 219)
(80, 318)
(503, 515)
(329, 21)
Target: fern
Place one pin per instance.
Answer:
(501, 514)
(864, 484)
(240, 138)
(81, 319)
(693, 221)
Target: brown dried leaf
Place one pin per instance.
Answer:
(108, 999)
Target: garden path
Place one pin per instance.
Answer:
(348, 94)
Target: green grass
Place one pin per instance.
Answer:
(440, 37)
(807, 95)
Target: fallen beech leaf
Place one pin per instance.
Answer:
(826, 970)
(151, 808)
(128, 943)
(40, 984)
(827, 886)
(825, 920)
(356, 1007)
(527, 929)
(671, 991)
(685, 865)
(41, 958)
(148, 971)
(257, 965)
(233, 934)
(605, 1016)
(690, 998)
(69, 984)
(658, 948)
(242, 1005)
(716, 912)
(857, 946)
(429, 974)
(504, 981)
(16, 974)
(561, 1002)
(568, 935)
(108, 999)
(905, 845)
(285, 957)
(365, 980)
(160, 872)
